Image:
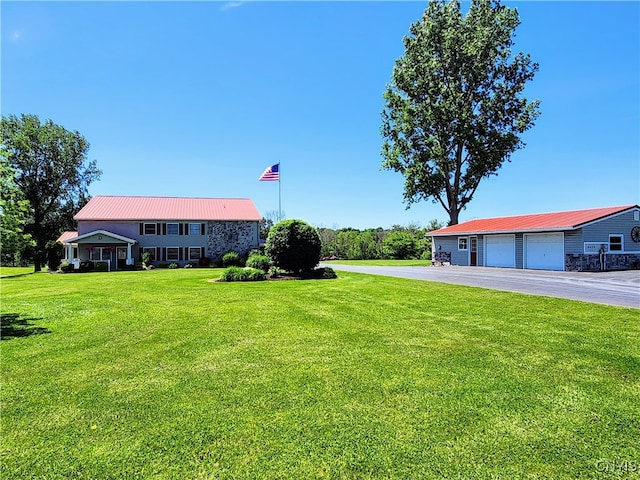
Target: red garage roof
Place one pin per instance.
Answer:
(532, 223)
(167, 208)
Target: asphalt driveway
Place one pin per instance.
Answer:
(608, 288)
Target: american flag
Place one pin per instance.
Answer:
(271, 174)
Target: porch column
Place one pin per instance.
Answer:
(129, 259)
(69, 253)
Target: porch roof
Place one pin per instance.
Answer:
(65, 240)
(66, 236)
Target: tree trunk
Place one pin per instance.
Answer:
(454, 212)
(37, 264)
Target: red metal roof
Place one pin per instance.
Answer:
(167, 208)
(532, 223)
(66, 236)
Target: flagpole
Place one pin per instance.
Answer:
(279, 192)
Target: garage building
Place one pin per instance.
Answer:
(580, 240)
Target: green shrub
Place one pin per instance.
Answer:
(260, 262)
(293, 245)
(325, 272)
(86, 266)
(102, 267)
(163, 264)
(275, 272)
(66, 267)
(231, 259)
(146, 259)
(173, 265)
(216, 262)
(253, 274)
(239, 274)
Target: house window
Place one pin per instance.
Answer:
(173, 254)
(194, 253)
(462, 243)
(149, 228)
(100, 253)
(172, 229)
(615, 243)
(194, 229)
(151, 252)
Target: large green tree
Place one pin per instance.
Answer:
(52, 174)
(454, 109)
(14, 214)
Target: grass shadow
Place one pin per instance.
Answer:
(15, 275)
(13, 325)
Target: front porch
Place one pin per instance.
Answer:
(98, 246)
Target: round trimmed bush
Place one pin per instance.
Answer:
(294, 246)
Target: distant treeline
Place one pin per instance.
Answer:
(399, 242)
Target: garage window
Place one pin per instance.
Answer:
(462, 243)
(615, 243)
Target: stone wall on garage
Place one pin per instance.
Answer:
(237, 236)
(592, 263)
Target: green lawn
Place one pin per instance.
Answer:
(163, 374)
(382, 263)
(13, 271)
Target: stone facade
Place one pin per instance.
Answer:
(239, 236)
(593, 263)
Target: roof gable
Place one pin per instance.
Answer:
(556, 221)
(99, 234)
(132, 208)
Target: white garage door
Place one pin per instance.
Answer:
(544, 251)
(501, 251)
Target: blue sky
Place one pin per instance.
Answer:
(197, 99)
